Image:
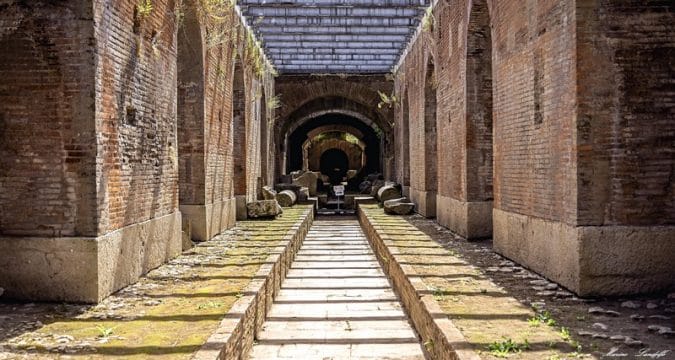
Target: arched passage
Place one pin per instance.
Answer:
(334, 163)
(240, 134)
(333, 111)
(424, 172)
(479, 152)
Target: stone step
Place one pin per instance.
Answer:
(336, 303)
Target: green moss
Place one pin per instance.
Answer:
(191, 306)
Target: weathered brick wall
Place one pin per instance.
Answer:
(626, 124)
(47, 134)
(534, 49)
(137, 171)
(190, 107)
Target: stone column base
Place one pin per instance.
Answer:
(405, 189)
(425, 202)
(86, 269)
(590, 260)
(240, 207)
(470, 219)
(207, 221)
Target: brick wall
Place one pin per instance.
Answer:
(316, 150)
(534, 162)
(137, 171)
(47, 134)
(626, 124)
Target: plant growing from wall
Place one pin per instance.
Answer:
(144, 8)
(428, 20)
(388, 100)
(274, 102)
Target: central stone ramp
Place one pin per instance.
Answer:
(336, 303)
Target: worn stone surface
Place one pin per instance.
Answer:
(400, 206)
(263, 209)
(177, 306)
(308, 180)
(388, 192)
(287, 198)
(269, 193)
(336, 303)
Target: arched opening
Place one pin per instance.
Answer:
(239, 139)
(190, 123)
(334, 163)
(264, 142)
(350, 128)
(430, 142)
(479, 114)
(403, 146)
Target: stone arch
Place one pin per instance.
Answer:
(479, 115)
(319, 107)
(190, 109)
(403, 146)
(239, 131)
(430, 131)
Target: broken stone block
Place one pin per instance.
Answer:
(303, 194)
(263, 209)
(287, 198)
(399, 206)
(377, 184)
(307, 180)
(364, 187)
(285, 186)
(269, 193)
(388, 193)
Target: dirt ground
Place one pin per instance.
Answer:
(636, 327)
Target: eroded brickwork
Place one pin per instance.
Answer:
(137, 172)
(47, 133)
(526, 147)
(111, 117)
(626, 124)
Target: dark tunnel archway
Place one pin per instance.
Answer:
(334, 164)
(371, 138)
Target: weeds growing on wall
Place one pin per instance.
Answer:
(428, 20)
(386, 100)
(144, 8)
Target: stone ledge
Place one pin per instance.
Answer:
(34, 268)
(589, 260)
(233, 339)
(441, 338)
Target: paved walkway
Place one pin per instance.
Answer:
(336, 303)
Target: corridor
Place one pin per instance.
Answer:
(336, 303)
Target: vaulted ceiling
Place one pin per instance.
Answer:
(333, 36)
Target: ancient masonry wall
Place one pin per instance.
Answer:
(579, 138)
(105, 131)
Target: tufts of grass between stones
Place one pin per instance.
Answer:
(494, 323)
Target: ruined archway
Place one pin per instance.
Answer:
(479, 151)
(334, 111)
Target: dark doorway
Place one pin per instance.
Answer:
(334, 164)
